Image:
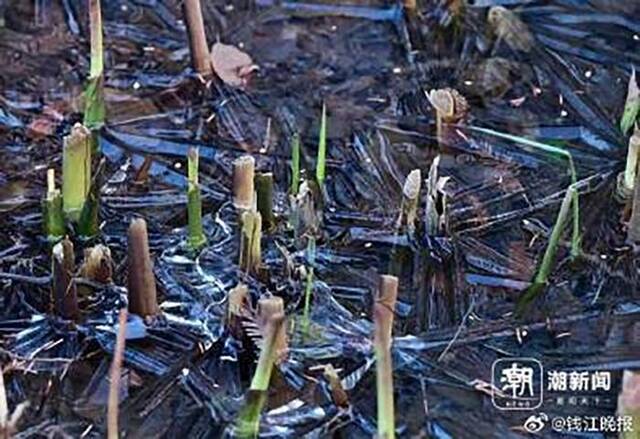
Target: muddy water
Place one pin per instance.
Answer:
(560, 79)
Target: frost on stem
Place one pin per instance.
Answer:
(142, 283)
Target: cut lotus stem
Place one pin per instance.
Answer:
(633, 232)
(63, 289)
(383, 312)
(268, 307)
(248, 423)
(295, 164)
(243, 182)
(629, 403)
(322, 149)
(194, 203)
(76, 171)
(200, 57)
(142, 283)
(250, 236)
(94, 111)
(52, 216)
(311, 255)
(98, 264)
(264, 190)
(114, 377)
(542, 276)
(236, 302)
(410, 199)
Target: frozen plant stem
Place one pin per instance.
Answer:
(63, 289)
(383, 312)
(94, 111)
(114, 376)
(248, 423)
(295, 164)
(142, 283)
(76, 171)
(264, 190)
(200, 58)
(194, 203)
(243, 181)
(53, 217)
(322, 149)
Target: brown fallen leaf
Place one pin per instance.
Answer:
(232, 65)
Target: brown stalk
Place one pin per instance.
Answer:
(142, 283)
(200, 58)
(114, 377)
(268, 308)
(243, 177)
(63, 289)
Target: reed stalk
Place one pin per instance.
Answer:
(76, 171)
(243, 182)
(295, 164)
(200, 57)
(194, 203)
(383, 313)
(52, 215)
(264, 191)
(63, 289)
(142, 283)
(114, 376)
(322, 149)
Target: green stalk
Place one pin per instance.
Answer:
(264, 189)
(633, 154)
(576, 238)
(76, 171)
(94, 111)
(322, 149)
(383, 311)
(88, 223)
(248, 423)
(295, 164)
(631, 105)
(194, 204)
(311, 256)
(542, 277)
(53, 218)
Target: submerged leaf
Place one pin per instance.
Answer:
(632, 104)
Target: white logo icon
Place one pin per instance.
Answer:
(535, 423)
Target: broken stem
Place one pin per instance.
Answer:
(194, 203)
(76, 170)
(142, 282)
(63, 289)
(243, 182)
(53, 218)
(94, 112)
(114, 376)
(200, 57)
(383, 312)
(264, 190)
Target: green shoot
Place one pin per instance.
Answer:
(76, 171)
(295, 164)
(196, 237)
(383, 312)
(264, 190)
(248, 423)
(311, 256)
(631, 105)
(94, 111)
(52, 216)
(542, 276)
(575, 238)
(322, 149)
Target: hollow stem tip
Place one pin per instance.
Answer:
(243, 182)
(268, 307)
(76, 170)
(383, 312)
(63, 290)
(200, 58)
(142, 283)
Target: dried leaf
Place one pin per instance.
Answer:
(231, 64)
